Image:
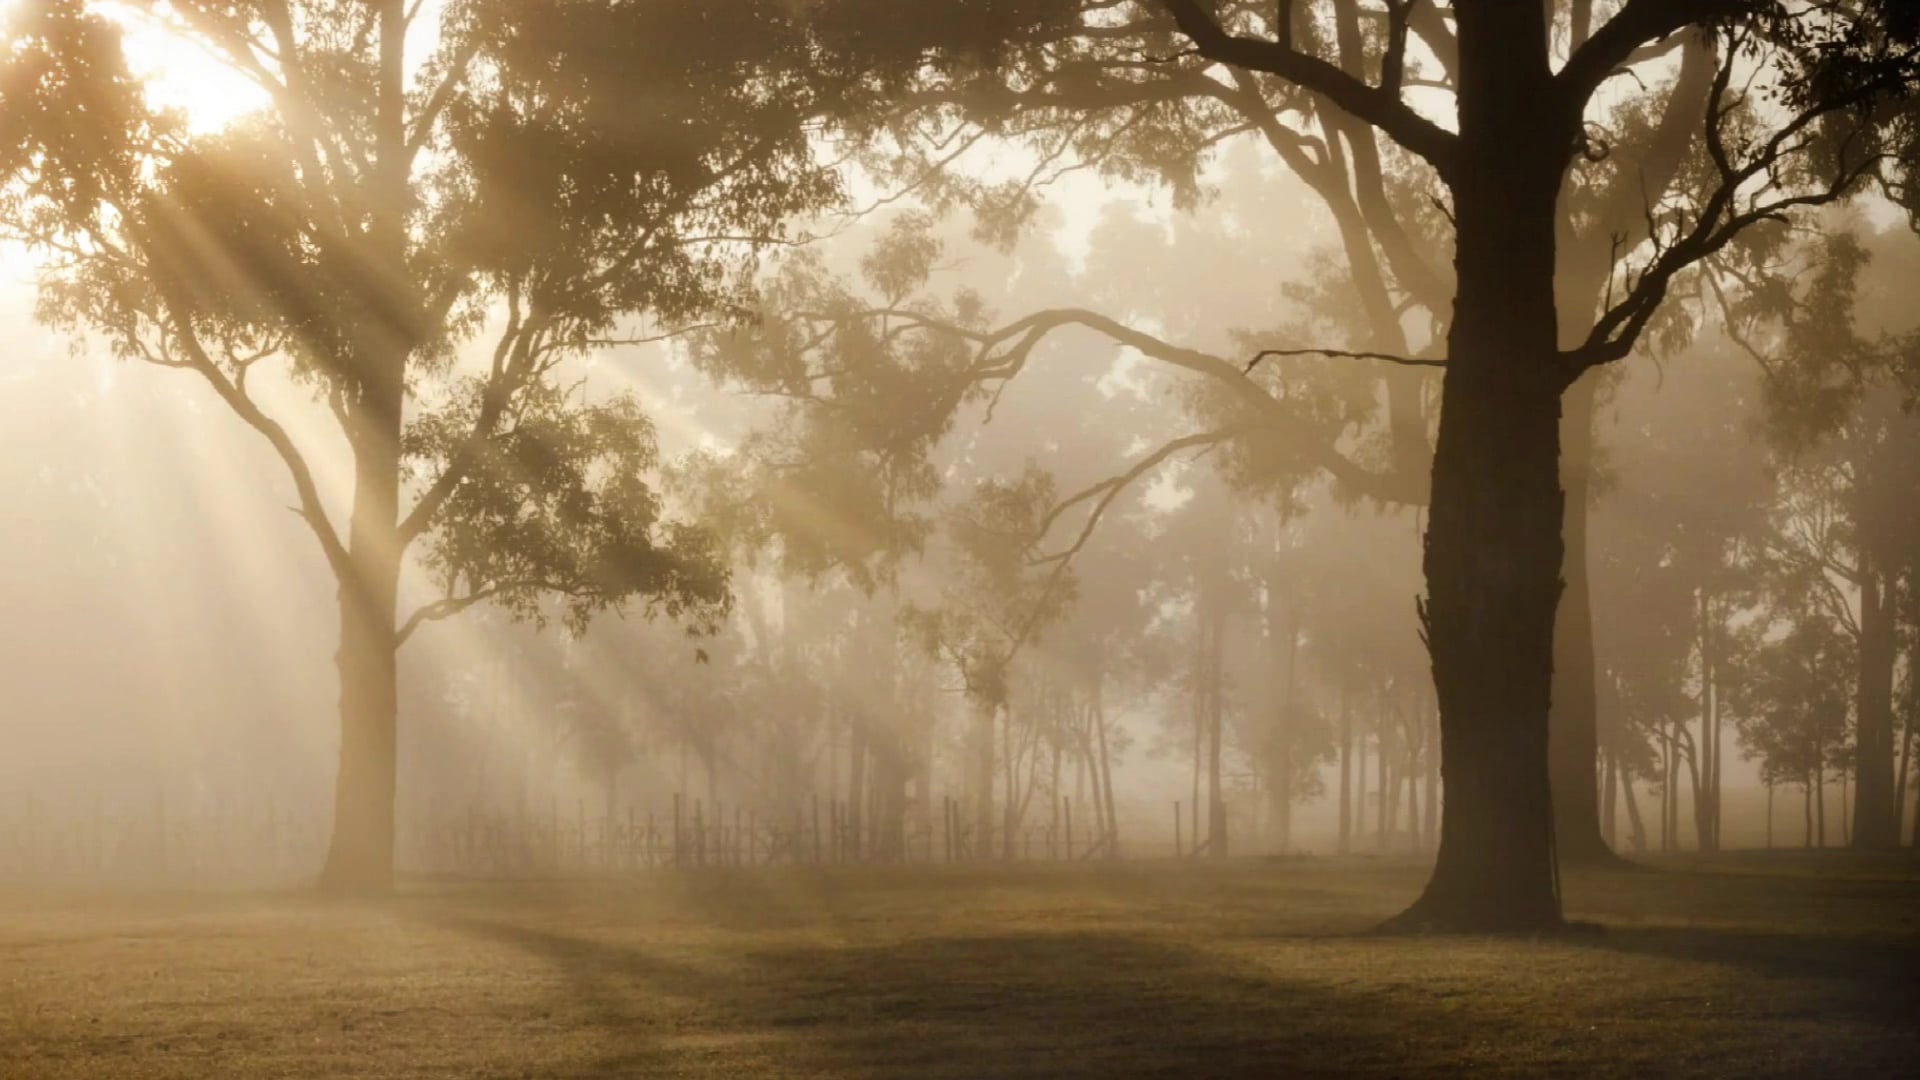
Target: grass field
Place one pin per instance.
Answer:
(1784, 965)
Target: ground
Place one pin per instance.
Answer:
(1787, 965)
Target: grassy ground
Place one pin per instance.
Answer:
(1781, 965)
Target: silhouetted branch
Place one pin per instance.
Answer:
(1377, 105)
(1405, 361)
(1615, 44)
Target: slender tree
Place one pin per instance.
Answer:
(424, 241)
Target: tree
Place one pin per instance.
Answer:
(1494, 547)
(545, 174)
(993, 606)
(1846, 454)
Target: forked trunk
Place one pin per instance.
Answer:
(360, 854)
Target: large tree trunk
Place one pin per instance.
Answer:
(1876, 814)
(360, 854)
(1494, 545)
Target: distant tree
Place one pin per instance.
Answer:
(994, 605)
(1794, 711)
(1848, 455)
(544, 174)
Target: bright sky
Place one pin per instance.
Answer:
(183, 75)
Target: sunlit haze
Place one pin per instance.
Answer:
(1069, 538)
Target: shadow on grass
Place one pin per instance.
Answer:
(1883, 970)
(1013, 1005)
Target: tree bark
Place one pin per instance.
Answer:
(360, 853)
(1494, 547)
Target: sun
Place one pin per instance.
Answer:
(183, 74)
(180, 73)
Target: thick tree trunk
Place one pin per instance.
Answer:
(360, 853)
(1494, 546)
(1876, 813)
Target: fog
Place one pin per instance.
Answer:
(170, 636)
(646, 537)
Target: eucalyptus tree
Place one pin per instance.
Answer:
(1788, 120)
(1106, 84)
(422, 227)
(1847, 453)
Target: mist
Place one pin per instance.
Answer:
(854, 539)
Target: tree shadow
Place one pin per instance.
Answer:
(1883, 969)
(1002, 1005)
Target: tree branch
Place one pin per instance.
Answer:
(1374, 104)
(1406, 361)
(1638, 23)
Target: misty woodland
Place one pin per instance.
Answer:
(959, 538)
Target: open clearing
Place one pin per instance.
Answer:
(1748, 965)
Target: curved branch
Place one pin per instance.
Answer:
(1640, 22)
(311, 509)
(1377, 105)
